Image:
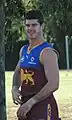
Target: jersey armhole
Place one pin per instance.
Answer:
(40, 57)
(20, 53)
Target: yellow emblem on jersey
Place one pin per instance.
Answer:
(49, 112)
(27, 77)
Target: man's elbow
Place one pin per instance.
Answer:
(56, 86)
(56, 82)
(53, 86)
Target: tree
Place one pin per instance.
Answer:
(14, 27)
(2, 67)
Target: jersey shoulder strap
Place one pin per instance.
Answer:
(21, 50)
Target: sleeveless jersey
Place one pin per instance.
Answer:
(33, 79)
(32, 72)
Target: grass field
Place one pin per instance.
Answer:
(63, 96)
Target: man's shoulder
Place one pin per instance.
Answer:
(48, 44)
(24, 47)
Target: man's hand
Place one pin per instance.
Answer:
(25, 108)
(16, 95)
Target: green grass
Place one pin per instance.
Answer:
(63, 96)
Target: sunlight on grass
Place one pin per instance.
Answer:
(63, 96)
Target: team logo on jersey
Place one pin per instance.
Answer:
(32, 59)
(27, 77)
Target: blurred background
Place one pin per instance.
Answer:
(57, 31)
(57, 28)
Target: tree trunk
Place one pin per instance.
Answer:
(2, 66)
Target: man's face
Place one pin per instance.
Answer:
(33, 29)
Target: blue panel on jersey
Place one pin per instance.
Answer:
(31, 60)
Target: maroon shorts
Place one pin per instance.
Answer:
(45, 110)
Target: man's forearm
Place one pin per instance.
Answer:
(45, 92)
(51, 69)
(16, 79)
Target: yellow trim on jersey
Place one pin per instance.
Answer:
(28, 51)
(49, 112)
(20, 53)
(40, 58)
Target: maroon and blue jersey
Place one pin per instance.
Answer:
(32, 71)
(33, 80)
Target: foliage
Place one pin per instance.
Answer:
(57, 13)
(14, 28)
(57, 22)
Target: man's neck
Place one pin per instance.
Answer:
(33, 43)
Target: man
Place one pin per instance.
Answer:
(37, 74)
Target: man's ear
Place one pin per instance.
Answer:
(42, 26)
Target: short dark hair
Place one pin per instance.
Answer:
(35, 14)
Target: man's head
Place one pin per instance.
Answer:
(34, 20)
(35, 14)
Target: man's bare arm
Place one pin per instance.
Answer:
(52, 74)
(16, 93)
(16, 83)
(16, 77)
